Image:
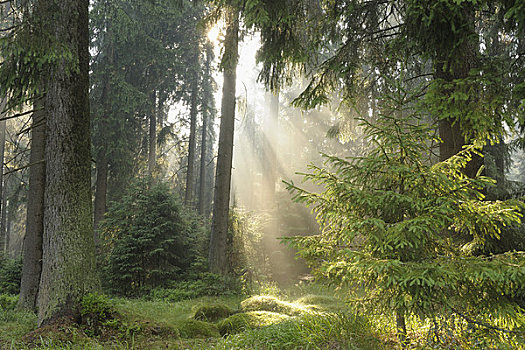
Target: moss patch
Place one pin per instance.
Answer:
(320, 302)
(269, 303)
(212, 312)
(249, 320)
(198, 329)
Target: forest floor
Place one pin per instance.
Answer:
(307, 318)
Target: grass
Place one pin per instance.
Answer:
(312, 319)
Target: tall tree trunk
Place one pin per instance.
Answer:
(152, 153)
(68, 250)
(190, 175)
(3, 215)
(101, 185)
(202, 175)
(3, 237)
(32, 247)
(218, 260)
(449, 67)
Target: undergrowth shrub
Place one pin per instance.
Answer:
(150, 240)
(10, 275)
(205, 284)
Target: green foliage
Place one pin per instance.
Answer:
(96, 310)
(248, 320)
(212, 312)
(196, 329)
(8, 302)
(205, 284)
(151, 240)
(10, 275)
(400, 227)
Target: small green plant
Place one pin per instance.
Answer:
(8, 302)
(97, 312)
(10, 274)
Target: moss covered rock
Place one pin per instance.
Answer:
(212, 312)
(248, 320)
(198, 329)
(269, 303)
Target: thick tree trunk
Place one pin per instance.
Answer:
(152, 152)
(218, 261)
(68, 259)
(32, 248)
(190, 175)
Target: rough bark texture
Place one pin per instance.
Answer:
(32, 248)
(68, 260)
(401, 328)
(190, 175)
(218, 261)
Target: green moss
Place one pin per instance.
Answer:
(198, 329)
(212, 312)
(249, 320)
(269, 303)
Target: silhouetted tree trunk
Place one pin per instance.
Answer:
(32, 247)
(68, 250)
(218, 261)
(190, 175)
(3, 237)
(448, 67)
(3, 215)
(202, 175)
(152, 152)
(101, 185)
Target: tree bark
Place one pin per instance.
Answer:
(68, 259)
(401, 328)
(218, 261)
(3, 216)
(32, 248)
(190, 175)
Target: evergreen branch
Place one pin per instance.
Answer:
(18, 115)
(485, 325)
(24, 167)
